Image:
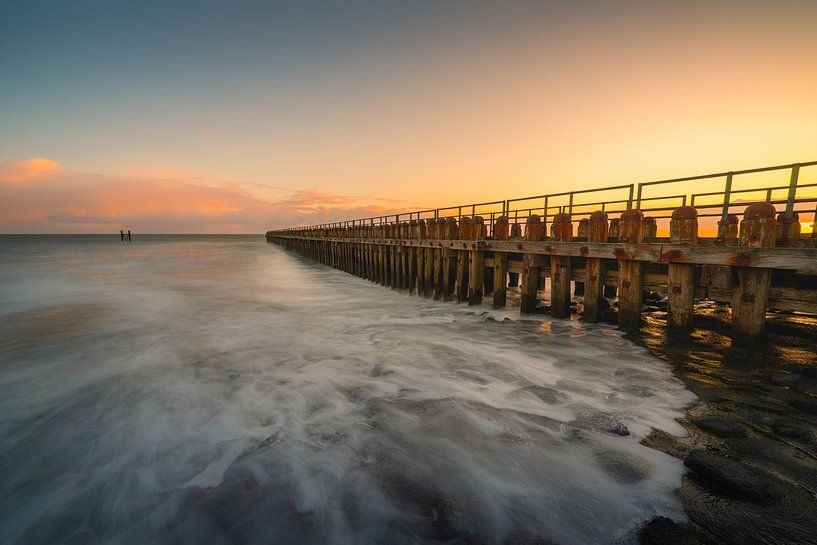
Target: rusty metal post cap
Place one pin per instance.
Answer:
(784, 217)
(633, 214)
(759, 210)
(685, 213)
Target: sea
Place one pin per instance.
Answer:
(222, 390)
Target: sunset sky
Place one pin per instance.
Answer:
(221, 117)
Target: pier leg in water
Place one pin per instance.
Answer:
(560, 269)
(462, 260)
(516, 234)
(428, 282)
(595, 269)
(530, 271)
(476, 274)
(582, 234)
(630, 277)
(439, 234)
(758, 229)
(683, 229)
(421, 255)
(610, 290)
(449, 256)
(500, 290)
(411, 258)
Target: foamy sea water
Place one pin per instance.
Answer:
(220, 390)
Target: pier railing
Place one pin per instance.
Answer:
(791, 188)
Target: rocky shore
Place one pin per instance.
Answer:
(751, 451)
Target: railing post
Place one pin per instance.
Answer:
(727, 192)
(795, 173)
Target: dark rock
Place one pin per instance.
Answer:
(729, 478)
(804, 405)
(664, 531)
(602, 422)
(719, 426)
(791, 430)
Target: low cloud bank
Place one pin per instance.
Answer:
(38, 196)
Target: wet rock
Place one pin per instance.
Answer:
(720, 426)
(729, 478)
(602, 422)
(804, 405)
(623, 466)
(787, 378)
(791, 430)
(548, 395)
(665, 531)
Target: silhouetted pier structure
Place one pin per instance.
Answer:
(125, 237)
(597, 244)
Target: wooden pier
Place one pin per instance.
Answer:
(591, 253)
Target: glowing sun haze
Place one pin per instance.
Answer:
(242, 116)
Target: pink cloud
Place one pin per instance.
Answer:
(87, 203)
(27, 170)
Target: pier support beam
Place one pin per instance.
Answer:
(530, 271)
(476, 273)
(462, 260)
(683, 229)
(560, 269)
(595, 269)
(500, 290)
(758, 229)
(630, 277)
(451, 232)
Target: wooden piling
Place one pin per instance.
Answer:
(462, 260)
(613, 235)
(411, 257)
(650, 228)
(560, 268)
(501, 232)
(683, 229)
(582, 234)
(787, 232)
(516, 234)
(630, 277)
(422, 234)
(476, 259)
(530, 269)
(751, 292)
(728, 230)
(595, 269)
(451, 232)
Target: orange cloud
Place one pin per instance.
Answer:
(87, 203)
(27, 170)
